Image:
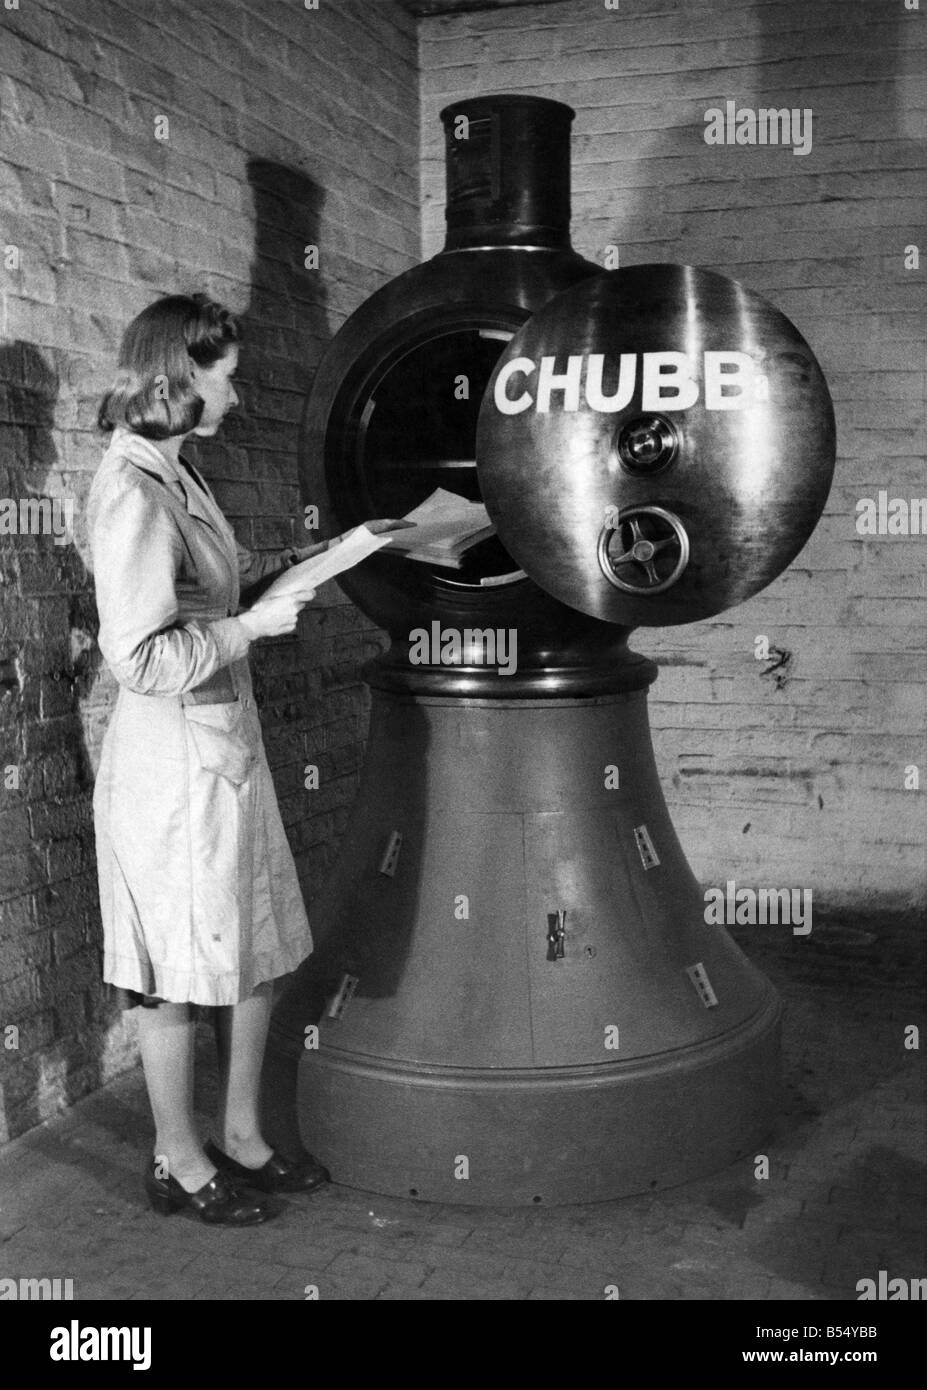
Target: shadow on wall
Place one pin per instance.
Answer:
(313, 706)
(286, 321)
(285, 328)
(49, 962)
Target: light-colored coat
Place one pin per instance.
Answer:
(198, 889)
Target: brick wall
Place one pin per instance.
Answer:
(285, 127)
(795, 778)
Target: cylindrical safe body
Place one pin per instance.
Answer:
(481, 1057)
(516, 993)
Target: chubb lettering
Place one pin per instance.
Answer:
(668, 381)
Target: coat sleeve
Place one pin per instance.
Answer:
(136, 552)
(253, 568)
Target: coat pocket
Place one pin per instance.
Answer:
(222, 739)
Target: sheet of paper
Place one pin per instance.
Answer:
(309, 574)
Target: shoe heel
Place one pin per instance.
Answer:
(162, 1203)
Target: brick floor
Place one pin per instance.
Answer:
(846, 1196)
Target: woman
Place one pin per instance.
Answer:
(198, 889)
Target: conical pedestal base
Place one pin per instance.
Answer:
(539, 1011)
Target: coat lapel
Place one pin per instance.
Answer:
(201, 503)
(198, 501)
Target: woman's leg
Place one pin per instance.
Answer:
(166, 1037)
(241, 1035)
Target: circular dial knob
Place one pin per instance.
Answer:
(647, 444)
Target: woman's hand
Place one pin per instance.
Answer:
(306, 552)
(274, 616)
(377, 527)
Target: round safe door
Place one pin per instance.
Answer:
(655, 445)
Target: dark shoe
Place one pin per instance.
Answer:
(217, 1202)
(277, 1175)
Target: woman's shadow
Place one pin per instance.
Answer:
(48, 669)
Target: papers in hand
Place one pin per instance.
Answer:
(446, 526)
(305, 577)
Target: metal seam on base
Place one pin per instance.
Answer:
(691, 1057)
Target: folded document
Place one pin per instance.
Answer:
(446, 526)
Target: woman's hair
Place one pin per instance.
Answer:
(153, 393)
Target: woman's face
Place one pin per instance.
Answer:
(214, 385)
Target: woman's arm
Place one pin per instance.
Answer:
(136, 560)
(256, 571)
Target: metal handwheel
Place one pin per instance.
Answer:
(639, 551)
